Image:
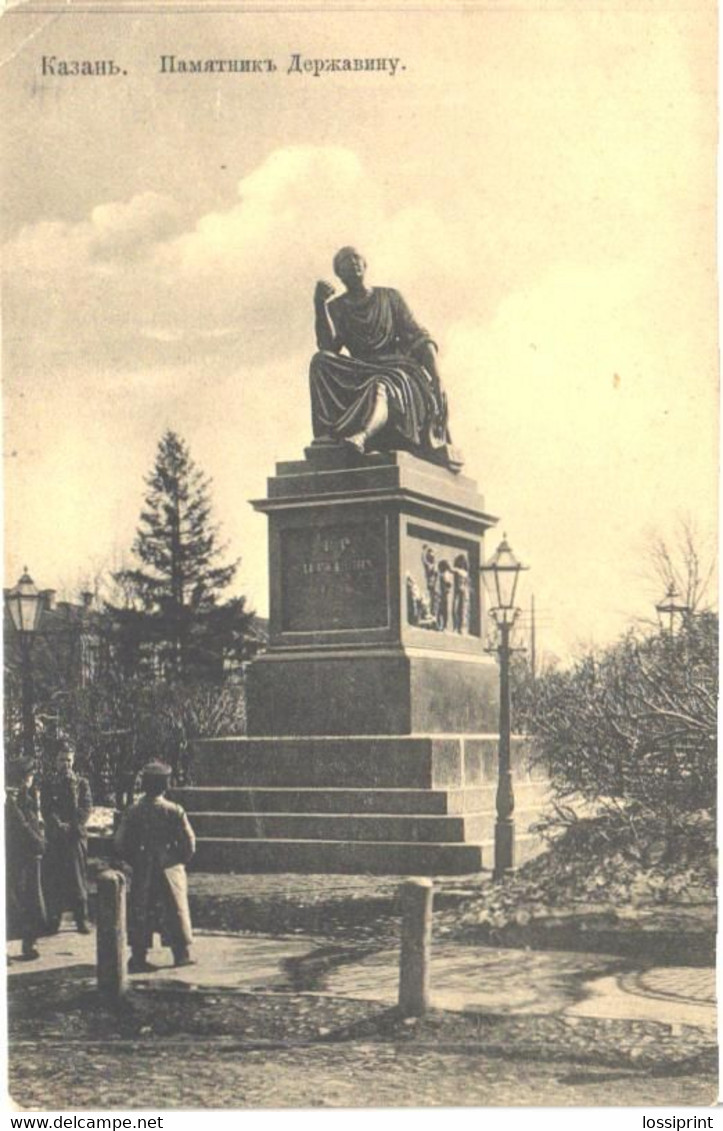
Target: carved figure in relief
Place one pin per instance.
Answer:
(460, 612)
(446, 595)
(418, 610)
(375, 382)
(446, 605)
(412, 600)
(431, 574)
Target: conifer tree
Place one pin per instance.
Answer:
(173, 596)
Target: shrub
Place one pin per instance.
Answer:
(631, 730)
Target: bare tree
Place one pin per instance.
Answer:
(684, 564)
(631, 729)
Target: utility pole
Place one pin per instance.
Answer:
(533, 654)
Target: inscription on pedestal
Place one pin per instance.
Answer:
(335, 577)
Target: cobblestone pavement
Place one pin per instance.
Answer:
(239, 962)
(464, 978)
(679, 982)
(476, 978)
(627, 996)
(193, 1074)
(180, 1070)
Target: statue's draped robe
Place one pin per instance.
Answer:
(156, 839)
(381, 335)
(66, 804)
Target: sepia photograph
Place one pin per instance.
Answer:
(360, 489)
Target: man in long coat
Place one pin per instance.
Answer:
(66, 804)
(24, 847)
(156, 839)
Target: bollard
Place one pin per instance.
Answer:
(416, 947)
(111, 935)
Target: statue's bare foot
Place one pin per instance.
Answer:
(357, 442)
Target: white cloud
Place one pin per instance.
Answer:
(575, 387)
(295, 200)
(120, 229)
(125, 229)
(235, 278)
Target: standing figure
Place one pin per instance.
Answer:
(66, 804)
(24, 847)
(446, 595)
(418, 608)
(156, 839)
(413, 596)
(374, 381)
(431, 576)
(461, 594)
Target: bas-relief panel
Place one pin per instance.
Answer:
(441, 583)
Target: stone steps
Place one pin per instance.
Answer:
(219, 854)
(244, 856)
(320, 826)
(229, 799)
(425, 762)
(359, 763)
(397, 802)
(420, 804)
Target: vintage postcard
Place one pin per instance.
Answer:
(360, 371)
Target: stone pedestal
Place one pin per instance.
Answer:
(376, 615)
(372, 717)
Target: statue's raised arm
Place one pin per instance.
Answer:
(325, 333)
(374, 382)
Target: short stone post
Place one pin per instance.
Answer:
(111, 935)
(416, 947)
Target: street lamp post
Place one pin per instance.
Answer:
(501, 574)
(670, 608)
(24, 603)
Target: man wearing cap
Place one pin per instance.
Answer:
(156, 839)
(24, 847)
(66, 804)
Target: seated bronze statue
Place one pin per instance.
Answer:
(374, 382)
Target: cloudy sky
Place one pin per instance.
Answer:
(538, 182)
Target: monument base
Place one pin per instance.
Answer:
(376, 691)
(372, 715)
(412, 805)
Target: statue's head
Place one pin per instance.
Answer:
(349, 264)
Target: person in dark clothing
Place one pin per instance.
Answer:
(66, 805)
(24, 847)
(156, 839)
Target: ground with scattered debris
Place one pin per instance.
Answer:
(193, 1074)
(181, 1047)
(304, 1016)
(469, 909)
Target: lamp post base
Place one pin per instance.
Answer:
(504, 848)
